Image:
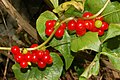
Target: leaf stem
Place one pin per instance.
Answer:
(98, 13)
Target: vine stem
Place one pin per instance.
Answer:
(48, 39)
(98, 13)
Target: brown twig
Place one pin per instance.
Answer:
(7, 61)
(20, 21)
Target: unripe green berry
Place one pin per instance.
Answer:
(98, 23)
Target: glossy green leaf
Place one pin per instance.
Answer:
(63, 46)
(114, 58)
(92, 69)
(40, 23)
(113, 31)
(89, 41)
(55, 3)
(111, 7)
(52, 72)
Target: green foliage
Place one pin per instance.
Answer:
(70, 43)
(113, 31)
(111, 7)
(57, 44)
(52, 72)
(89, 41)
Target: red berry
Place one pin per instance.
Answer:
(63, 26)
(15, 50)
(34, 58)
(28, 56)
(33, 46)
(104, 26)
(99, 18)
(87, 14)
(50, 61)
(39, 54)
(45, 58)
(100, 32)
(71, 25)
(50, 23)
(48, 31)
(59, 33)
(47, 52)
(41, 64)
(19, 58)
(80, 26)
(23, 64)
(81, 33)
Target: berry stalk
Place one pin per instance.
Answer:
(98, 13)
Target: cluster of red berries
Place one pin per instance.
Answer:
(39, 57)
(50, 28)
(79, 25)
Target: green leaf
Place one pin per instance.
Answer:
(111, 7)
(114, 58)
(113, 31)
(72, 11)
(40, 23)
(92, 69)
(63, 46)
(52, 72)
(89, 41)
(54, 2)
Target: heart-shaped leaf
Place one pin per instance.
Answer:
(89, 41)
(40, 23)
(52, 72)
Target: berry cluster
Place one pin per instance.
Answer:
(39, 57)
(79, 25)
(50, 28)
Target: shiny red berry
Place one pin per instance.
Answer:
(80, 26)
(63, 26)
(100, 32)
(71, 25)
(50, 61)
(99, 18)
(59, 33)
(39, 54)
(23, 64)
(41, 64)
(19, 58)
(33, 46)
(34, 58)
(50, 23)
(104, 26)
(45, 58)
(81, 33)
(15, 50)
(87, 14)
(28, 57)
(48, 31)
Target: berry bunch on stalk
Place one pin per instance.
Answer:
(79, 25)
(40, 57)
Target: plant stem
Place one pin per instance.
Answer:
(48, 39)
(98, 13)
